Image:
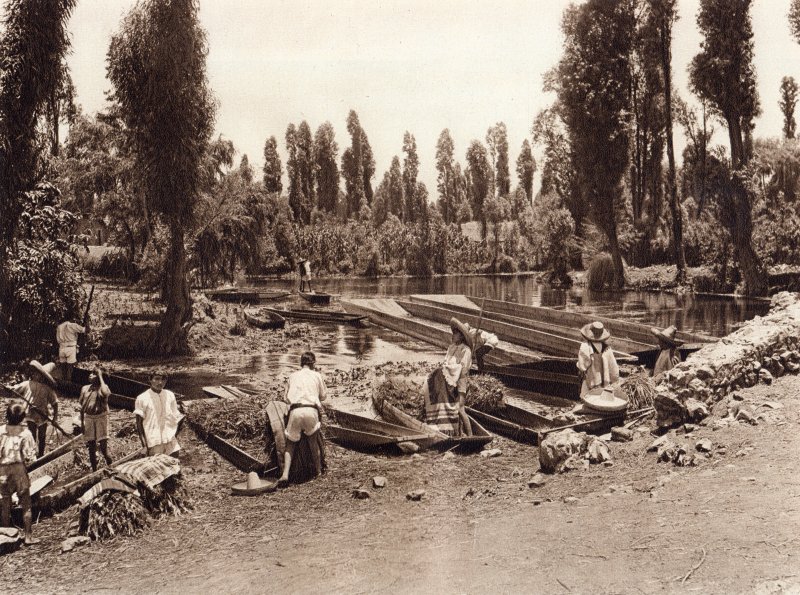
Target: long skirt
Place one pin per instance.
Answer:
(441, 404)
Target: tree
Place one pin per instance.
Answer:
(33, 45)
(445, 163)
(526, 167)
(664, 14)
(326, 153)
(272, 166)
(497, 211)
(353, 167)
(157, 64)
(305, 170)
(368, 167)
(723, 74)
(787, 104)
(497, 141)
(410, 173)
(394, 189)
(594, 99)
(480, 175)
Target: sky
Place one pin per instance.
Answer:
(403, 65)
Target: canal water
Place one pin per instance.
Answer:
(349, 346)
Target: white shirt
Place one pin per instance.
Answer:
(67, 333)
(160, 416)
(305, 387)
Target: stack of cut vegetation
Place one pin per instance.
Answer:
(639, 389)
(169, 497)
(113, 513)
(485, 393)
(240, 420)
(404, 394)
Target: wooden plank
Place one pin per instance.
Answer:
(228, 451)
(56, 452)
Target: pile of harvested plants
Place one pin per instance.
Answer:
(112, 514)
(168, 497)
(639, 389)
(241, 420)
(485, 393)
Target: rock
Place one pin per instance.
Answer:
(537, 481)
(657, 443)
(621, 434)
(571, 500)
(703, 445)
(777, 366)
(408, 448)
(448, 455)
(558, 447)
(696, 410)
(667, 451)
(669, 410)
(737, 397)
(772, 405)
(416, 457)
(746, 415)
(765, 377)
(379, 481)
(415, 496)
(70, 543)
(704, 372)
(360, 494)
(608, 463)
(689, 428)
(792, 367)
(757, 366)
(490, 453)
(597, 451)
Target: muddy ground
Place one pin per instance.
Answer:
(728, 525)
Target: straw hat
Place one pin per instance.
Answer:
(667, 335)
(462, 328)
(604, 400)
(595, 331)
(45, 371)
(253, 486)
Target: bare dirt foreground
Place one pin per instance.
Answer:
(728, 525)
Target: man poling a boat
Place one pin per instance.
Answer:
(447, 385)
(670, 356)
(596, 362)
(304, 268)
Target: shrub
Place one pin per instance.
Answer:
(600, 272)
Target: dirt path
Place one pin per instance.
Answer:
(729, 525)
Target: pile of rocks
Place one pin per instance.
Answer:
(764, 348)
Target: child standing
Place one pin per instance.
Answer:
(94, 416)
(17, 449)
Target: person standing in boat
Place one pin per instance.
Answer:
(304, 268)
(670, 356)
(447, 386)
(596, 362)
(67, 338)
(305, 392)
(94, 416)
(157, 417)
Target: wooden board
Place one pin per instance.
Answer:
(359, 431)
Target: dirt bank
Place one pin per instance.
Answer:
(728, 525)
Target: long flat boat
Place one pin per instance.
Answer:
(387, 313)
(480, 437)
(123, 390)
(321, 316)
(560, 341)
(319, 298)
(552, 377)
(265, 320)
(364, 433)
(504, 427)
(246, 295)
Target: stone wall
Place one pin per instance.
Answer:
(760, 350)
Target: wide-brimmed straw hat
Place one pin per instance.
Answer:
(462, 328)
(604, 400)
(667, 335)
(595, 331)
(253, 486)
(44, 370)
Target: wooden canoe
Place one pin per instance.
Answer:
(319, 298)
(265, 320)
(596, 424)
(246, 295)
(480, 437)
(123, 390)
(363, 433)
(387, 313)
(321, 316)
(551, 377)
(504, 427)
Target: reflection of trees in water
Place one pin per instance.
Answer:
(359, 340)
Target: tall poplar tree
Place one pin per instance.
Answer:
(157, 64)
(787, 103)
(326, 153)
(272, 166)
(293, 173)
(445, 178)
(526, 167)
(394, 189)
(410, 173)
(353, 167)
(724, 75)
(497, 141)
(306, 172)
(480, 181)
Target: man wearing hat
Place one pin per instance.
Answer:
(304, 268)
(670, 356)
(596, 361)
(39, 395)
(447, 385)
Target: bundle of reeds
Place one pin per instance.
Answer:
(485, 393)
(112, 514)
(242, 419)
(404, 394)
(639, 389)
(168, 497)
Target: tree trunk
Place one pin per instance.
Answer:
(675, 207)
(170, 337)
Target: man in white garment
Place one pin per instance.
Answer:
(157, 417)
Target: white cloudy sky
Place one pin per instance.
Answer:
(416, 65)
